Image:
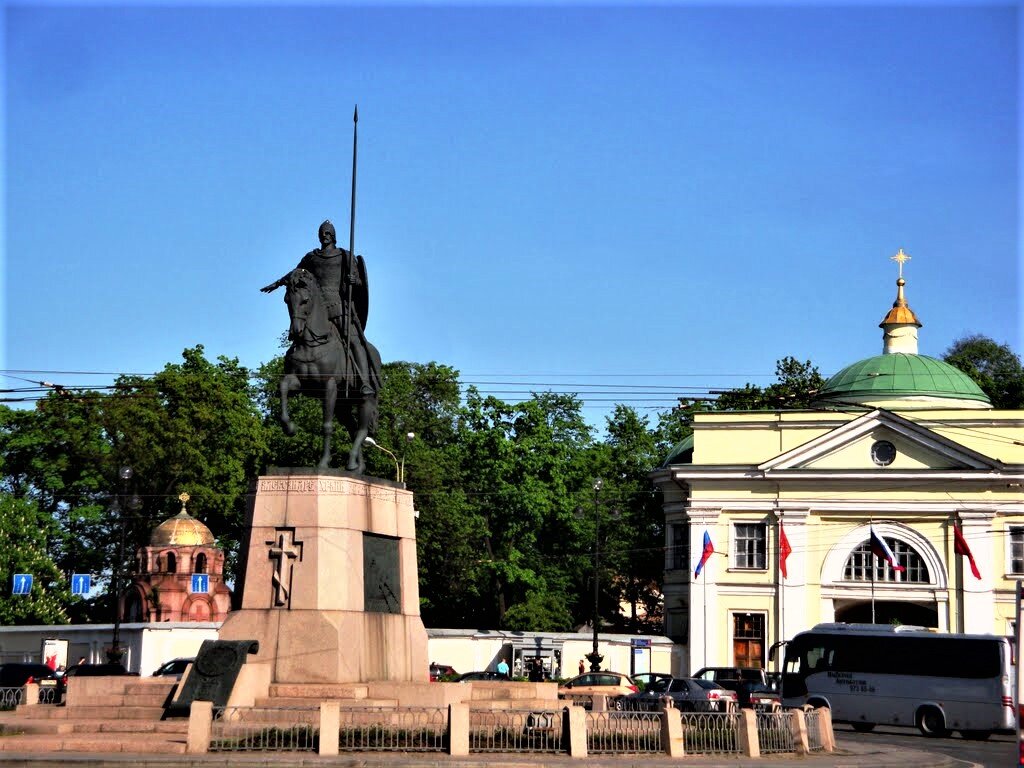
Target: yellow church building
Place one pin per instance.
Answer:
(901, 445)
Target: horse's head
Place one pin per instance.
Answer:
(302, 295)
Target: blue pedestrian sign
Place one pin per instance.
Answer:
(21, 584)
(200, 583)
(81, 583)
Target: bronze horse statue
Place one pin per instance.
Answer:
(318, 364)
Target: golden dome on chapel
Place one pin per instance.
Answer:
(182, 530)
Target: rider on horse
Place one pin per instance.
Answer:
(334, 267)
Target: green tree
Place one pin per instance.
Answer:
(23, 549)
(192, 427)
(994, 367)
(796, 386)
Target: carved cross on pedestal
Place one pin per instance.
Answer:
(283, 549)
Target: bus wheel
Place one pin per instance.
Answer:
(863, 727)
(931, 722)
(976, 735)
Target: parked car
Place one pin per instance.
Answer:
(717, 674)
(614, 685)
(762, 698)
(482, 675)
(645, 679)
(688, 694)
(753, 686)
(174, 668)
(437, 671)
(15, 675)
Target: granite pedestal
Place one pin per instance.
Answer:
(330, 585)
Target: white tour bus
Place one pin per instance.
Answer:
(873, 673)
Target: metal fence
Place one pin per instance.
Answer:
(711, 733)
(385, 729)
(265, 729)
(511, 730)
(774, 732)
(814, 730)
(623, 732)
(11, 697)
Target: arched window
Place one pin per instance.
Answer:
(200, 563)
(172, 563)
(861, 562)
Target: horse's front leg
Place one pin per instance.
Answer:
(356, 462)
(330, 398)
(289, 382)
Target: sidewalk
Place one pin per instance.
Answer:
(847, 755)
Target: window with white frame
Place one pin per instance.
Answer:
(1016, 549)
(750, 546)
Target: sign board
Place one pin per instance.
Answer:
(81, 583)
(640, 642)
(21, 584)
(55, 653)
(200, 583)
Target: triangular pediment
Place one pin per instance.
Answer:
(849, 447)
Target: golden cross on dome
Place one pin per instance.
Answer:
(899, 258)
(183, 498)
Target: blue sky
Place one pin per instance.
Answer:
(673, 196)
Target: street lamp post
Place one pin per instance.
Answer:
(399, 465)
(595, 657)
(379, 447)
(133, 503)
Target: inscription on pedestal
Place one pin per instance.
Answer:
(284, 549)
(382, 587)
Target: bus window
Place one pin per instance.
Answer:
(816, 659)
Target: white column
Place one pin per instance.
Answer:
(705, 624)
(977, 595)
(793, 590)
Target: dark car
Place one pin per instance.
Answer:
(174, 668)
(94, 670)
(15, 675)
(687, 694)
(482, 675)
(645, 679)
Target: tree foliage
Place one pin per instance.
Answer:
(23, 535)
(994, 367)
(193, 427)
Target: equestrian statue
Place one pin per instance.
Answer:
(328, 300)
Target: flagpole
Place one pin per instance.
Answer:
(704, 600)
(351, 248)
(871, 562)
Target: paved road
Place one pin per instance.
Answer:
(998, 752)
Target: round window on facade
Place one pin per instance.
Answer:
(883, 453)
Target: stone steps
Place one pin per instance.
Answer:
(308, 701)
(131, 743)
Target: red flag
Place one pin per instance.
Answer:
(961, 548)
(784, 550)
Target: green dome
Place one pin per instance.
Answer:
(900, 375)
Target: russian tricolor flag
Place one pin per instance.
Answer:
(881, 550)
(709, 550)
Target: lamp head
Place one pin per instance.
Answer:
(125, 473)
(370, 441)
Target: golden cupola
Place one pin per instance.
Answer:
(182, 530)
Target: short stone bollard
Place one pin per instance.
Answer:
(798, 727)
(599, 703)
(200, 727)
(30, 694)
(671, 729)
(749, 742)
(576, 725)
(330, 722)
(458, 730)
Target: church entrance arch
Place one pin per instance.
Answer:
(852, 578)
